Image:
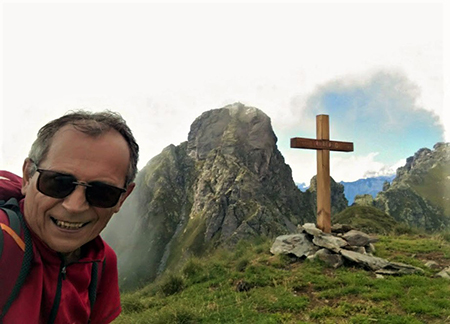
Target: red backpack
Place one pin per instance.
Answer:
(14, 227)
(20, 253)
(20, 234)
(10, 186)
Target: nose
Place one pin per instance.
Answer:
(76, 202)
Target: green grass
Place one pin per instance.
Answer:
(249, 285)
(435, 186)
(366, 219)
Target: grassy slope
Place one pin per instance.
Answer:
(436, 187)
(249, 285)
(367, 219)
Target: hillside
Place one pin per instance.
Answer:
(367, 219)
(428, 173)
(250, 285)
(419, 196)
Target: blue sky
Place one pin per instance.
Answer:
(380, 114)
(376, 68)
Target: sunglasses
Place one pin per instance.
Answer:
(60, 185)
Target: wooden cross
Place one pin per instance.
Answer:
(323, 145)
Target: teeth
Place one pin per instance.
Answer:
(68, 225)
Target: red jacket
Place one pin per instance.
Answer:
(39, 292)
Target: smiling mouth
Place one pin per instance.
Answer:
(67, 225)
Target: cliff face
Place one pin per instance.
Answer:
(226, 183)
(243, 186)
(338, 200)
(420, 194)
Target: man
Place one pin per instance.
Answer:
(79, 172)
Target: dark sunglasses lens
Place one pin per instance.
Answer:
(55, 184)
(100, 194)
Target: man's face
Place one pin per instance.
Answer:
(104, 158)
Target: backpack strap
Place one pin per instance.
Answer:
(97, 270)
(14, 226)
(12, 209)
(93, 284)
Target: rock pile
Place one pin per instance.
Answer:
(343, 245)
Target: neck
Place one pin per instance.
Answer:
(73, 256)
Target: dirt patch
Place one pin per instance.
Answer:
(435, 256)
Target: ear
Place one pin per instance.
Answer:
(124, 196)
(26, 178)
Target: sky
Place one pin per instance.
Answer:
(377, 69)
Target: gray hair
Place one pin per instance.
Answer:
(92, 124)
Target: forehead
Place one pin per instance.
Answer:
(86, 155)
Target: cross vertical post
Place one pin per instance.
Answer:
(323, 145)
(323, 176)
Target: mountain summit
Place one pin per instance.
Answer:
(419, 194)
(228, 182)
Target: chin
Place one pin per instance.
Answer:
(62, 248)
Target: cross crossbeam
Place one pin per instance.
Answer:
(316, 144)
(323, 145)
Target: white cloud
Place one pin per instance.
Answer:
(385, 170)
(162, 65)
(343, 167)
(355, 167)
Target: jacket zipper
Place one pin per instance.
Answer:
(61, 277)
(56, 301)
(63, 272)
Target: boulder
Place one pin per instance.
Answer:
(311, 229)
(432, 265)
(397, 268)
(356, 238)
(341, 228)
(332, 259)
(445, 273)
(297, 244)
(330, 242)
(371, 262)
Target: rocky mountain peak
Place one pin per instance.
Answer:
(235, 149)
(236, 129)
(338, 200)
(226, 183)
(423, 160)
(419, 194)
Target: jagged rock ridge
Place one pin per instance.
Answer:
(226, 183)
(419, 195)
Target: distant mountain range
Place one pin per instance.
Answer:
(371, 186)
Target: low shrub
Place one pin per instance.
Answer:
(172, 284)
